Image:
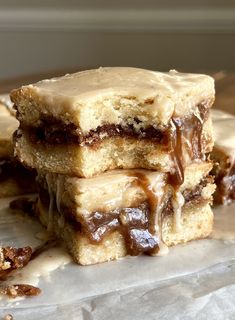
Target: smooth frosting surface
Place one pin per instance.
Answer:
(123, 79)
(90, 98)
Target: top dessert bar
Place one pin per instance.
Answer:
(113, 118)
(119, 96)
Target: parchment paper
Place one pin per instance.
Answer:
(194, 281)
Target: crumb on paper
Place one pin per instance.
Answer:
(4, 265)
(20, 290)
(8, 317)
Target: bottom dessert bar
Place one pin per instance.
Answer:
(14, 178)
(125, 211)
(223, 156)
(197, 223)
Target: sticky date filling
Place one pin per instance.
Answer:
(51, 130)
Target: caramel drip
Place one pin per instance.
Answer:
(185, 141)
(186, 137)
(177, 204)
(155, 209)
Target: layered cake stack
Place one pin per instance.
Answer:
(15, 179)
(122, 159)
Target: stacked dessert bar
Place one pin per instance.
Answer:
(122, 158)
(15, 179)
(223, 155)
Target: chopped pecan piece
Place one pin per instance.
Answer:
(15, 258)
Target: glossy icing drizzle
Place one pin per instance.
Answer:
(51, 203)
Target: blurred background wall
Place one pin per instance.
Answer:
(46, 35)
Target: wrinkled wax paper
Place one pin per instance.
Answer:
(194, 281)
